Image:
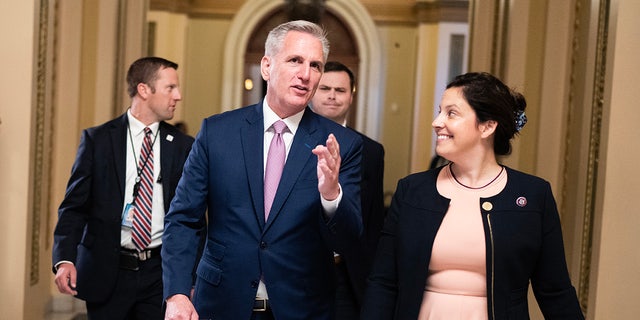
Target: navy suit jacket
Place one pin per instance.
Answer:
(89, 217)
(292, 252)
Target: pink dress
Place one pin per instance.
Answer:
(456, 285)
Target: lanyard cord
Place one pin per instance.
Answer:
(144, 163)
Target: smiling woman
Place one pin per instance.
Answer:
(478, 229)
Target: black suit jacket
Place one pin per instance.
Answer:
(89, 218)
(359, 262)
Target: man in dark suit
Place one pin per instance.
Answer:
(106, 251)
(260, 262)
(333, 100)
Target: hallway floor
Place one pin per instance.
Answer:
(66, 316)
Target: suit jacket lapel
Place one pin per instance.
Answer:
(118, 146)
(252, 137)
(167, 148)
(306, 138)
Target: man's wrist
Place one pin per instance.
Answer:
(57, 265)
(176, 297)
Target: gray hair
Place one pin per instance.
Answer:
(275, 39)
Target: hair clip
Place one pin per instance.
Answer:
(521, 119)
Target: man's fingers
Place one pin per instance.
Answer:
(72, 280)
(65, 279)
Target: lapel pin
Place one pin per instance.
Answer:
(169, 138)
(521, 201)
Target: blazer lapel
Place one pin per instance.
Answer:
(306, 138)
(167, 148)
(118, 146)
(252, 137)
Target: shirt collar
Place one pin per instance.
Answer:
(271, 117)
(137, 127)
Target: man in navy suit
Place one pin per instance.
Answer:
(333, 100)
(94, 257)
(259, 263)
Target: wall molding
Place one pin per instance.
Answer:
(41, 152)
(593, 155)
(382, 12)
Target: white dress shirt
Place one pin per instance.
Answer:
(135, 136)
(292, 123)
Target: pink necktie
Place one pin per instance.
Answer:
(141, 234)
(275, 164)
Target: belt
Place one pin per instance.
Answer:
(141, 255)
(261, 305)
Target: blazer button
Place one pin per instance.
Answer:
(487, 206)
(263, 245)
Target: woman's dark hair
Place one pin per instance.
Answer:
(493, 100)
(145, 70)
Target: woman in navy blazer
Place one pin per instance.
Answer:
(427, 246)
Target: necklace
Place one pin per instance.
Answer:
(474, 188)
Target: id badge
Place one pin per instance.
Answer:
(127, 215)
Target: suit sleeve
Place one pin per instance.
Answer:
(551, 284)
(74, 209)
(346, 225)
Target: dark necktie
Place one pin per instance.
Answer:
(141, 234)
